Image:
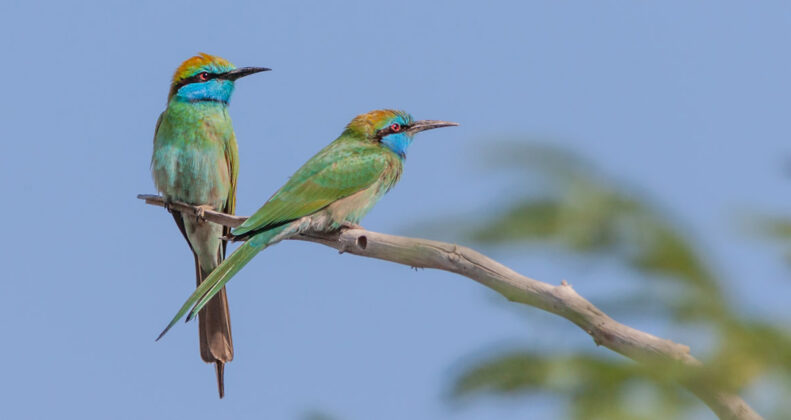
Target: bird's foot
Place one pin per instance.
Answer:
(350, 225)
(168, 205)
(200, 212)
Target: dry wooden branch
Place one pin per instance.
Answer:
(561, 300)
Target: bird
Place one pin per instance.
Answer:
(195, 160)
(333, 189)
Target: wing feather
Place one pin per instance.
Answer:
(232, 159)
(339, 170)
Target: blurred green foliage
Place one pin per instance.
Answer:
(597, 388)
(580, 210)
(778, 229)
(317, 415)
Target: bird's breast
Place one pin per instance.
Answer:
(353, 208)
(189, 162)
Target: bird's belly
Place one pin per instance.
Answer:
(192, 175)
(353, 208)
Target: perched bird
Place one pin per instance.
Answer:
(336, 187)
(195, 161)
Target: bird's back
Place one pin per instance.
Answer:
(346, 167)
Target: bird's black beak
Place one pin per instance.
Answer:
(242, 72)
(424, 125)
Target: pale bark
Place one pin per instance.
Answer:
(558, 299)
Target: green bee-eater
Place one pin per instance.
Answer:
(195, 161)
(336, 187)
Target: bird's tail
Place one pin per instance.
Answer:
(220, 275)
(214, 326)
(214, 331)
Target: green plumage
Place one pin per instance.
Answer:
(195, 154)
(347, 166)
(337, 186)
(195, 161)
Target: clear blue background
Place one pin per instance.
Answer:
(689, 103)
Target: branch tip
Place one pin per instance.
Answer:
(560, 300)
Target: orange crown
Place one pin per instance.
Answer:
(201, 62)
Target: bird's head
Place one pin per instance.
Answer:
(207, 78)
(391, 129)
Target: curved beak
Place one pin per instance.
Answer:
(424, 125)
(242, 72)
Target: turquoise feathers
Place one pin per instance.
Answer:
(195, 161)
(337, 186)
(189, 159)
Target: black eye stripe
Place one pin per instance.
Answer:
(197, 78)
(389, 130)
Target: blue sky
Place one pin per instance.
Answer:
(687, 102)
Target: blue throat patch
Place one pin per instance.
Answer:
(215, 90)
(398, 143)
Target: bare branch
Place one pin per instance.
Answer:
(561, 299)
(210, 215)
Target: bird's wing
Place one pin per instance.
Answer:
(156, 128)
(336, 172)
(232, 159)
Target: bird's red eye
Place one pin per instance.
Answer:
(203, 76)
(395, 127)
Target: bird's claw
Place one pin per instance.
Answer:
(168, 205)
(350, 225)
(200, 212)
